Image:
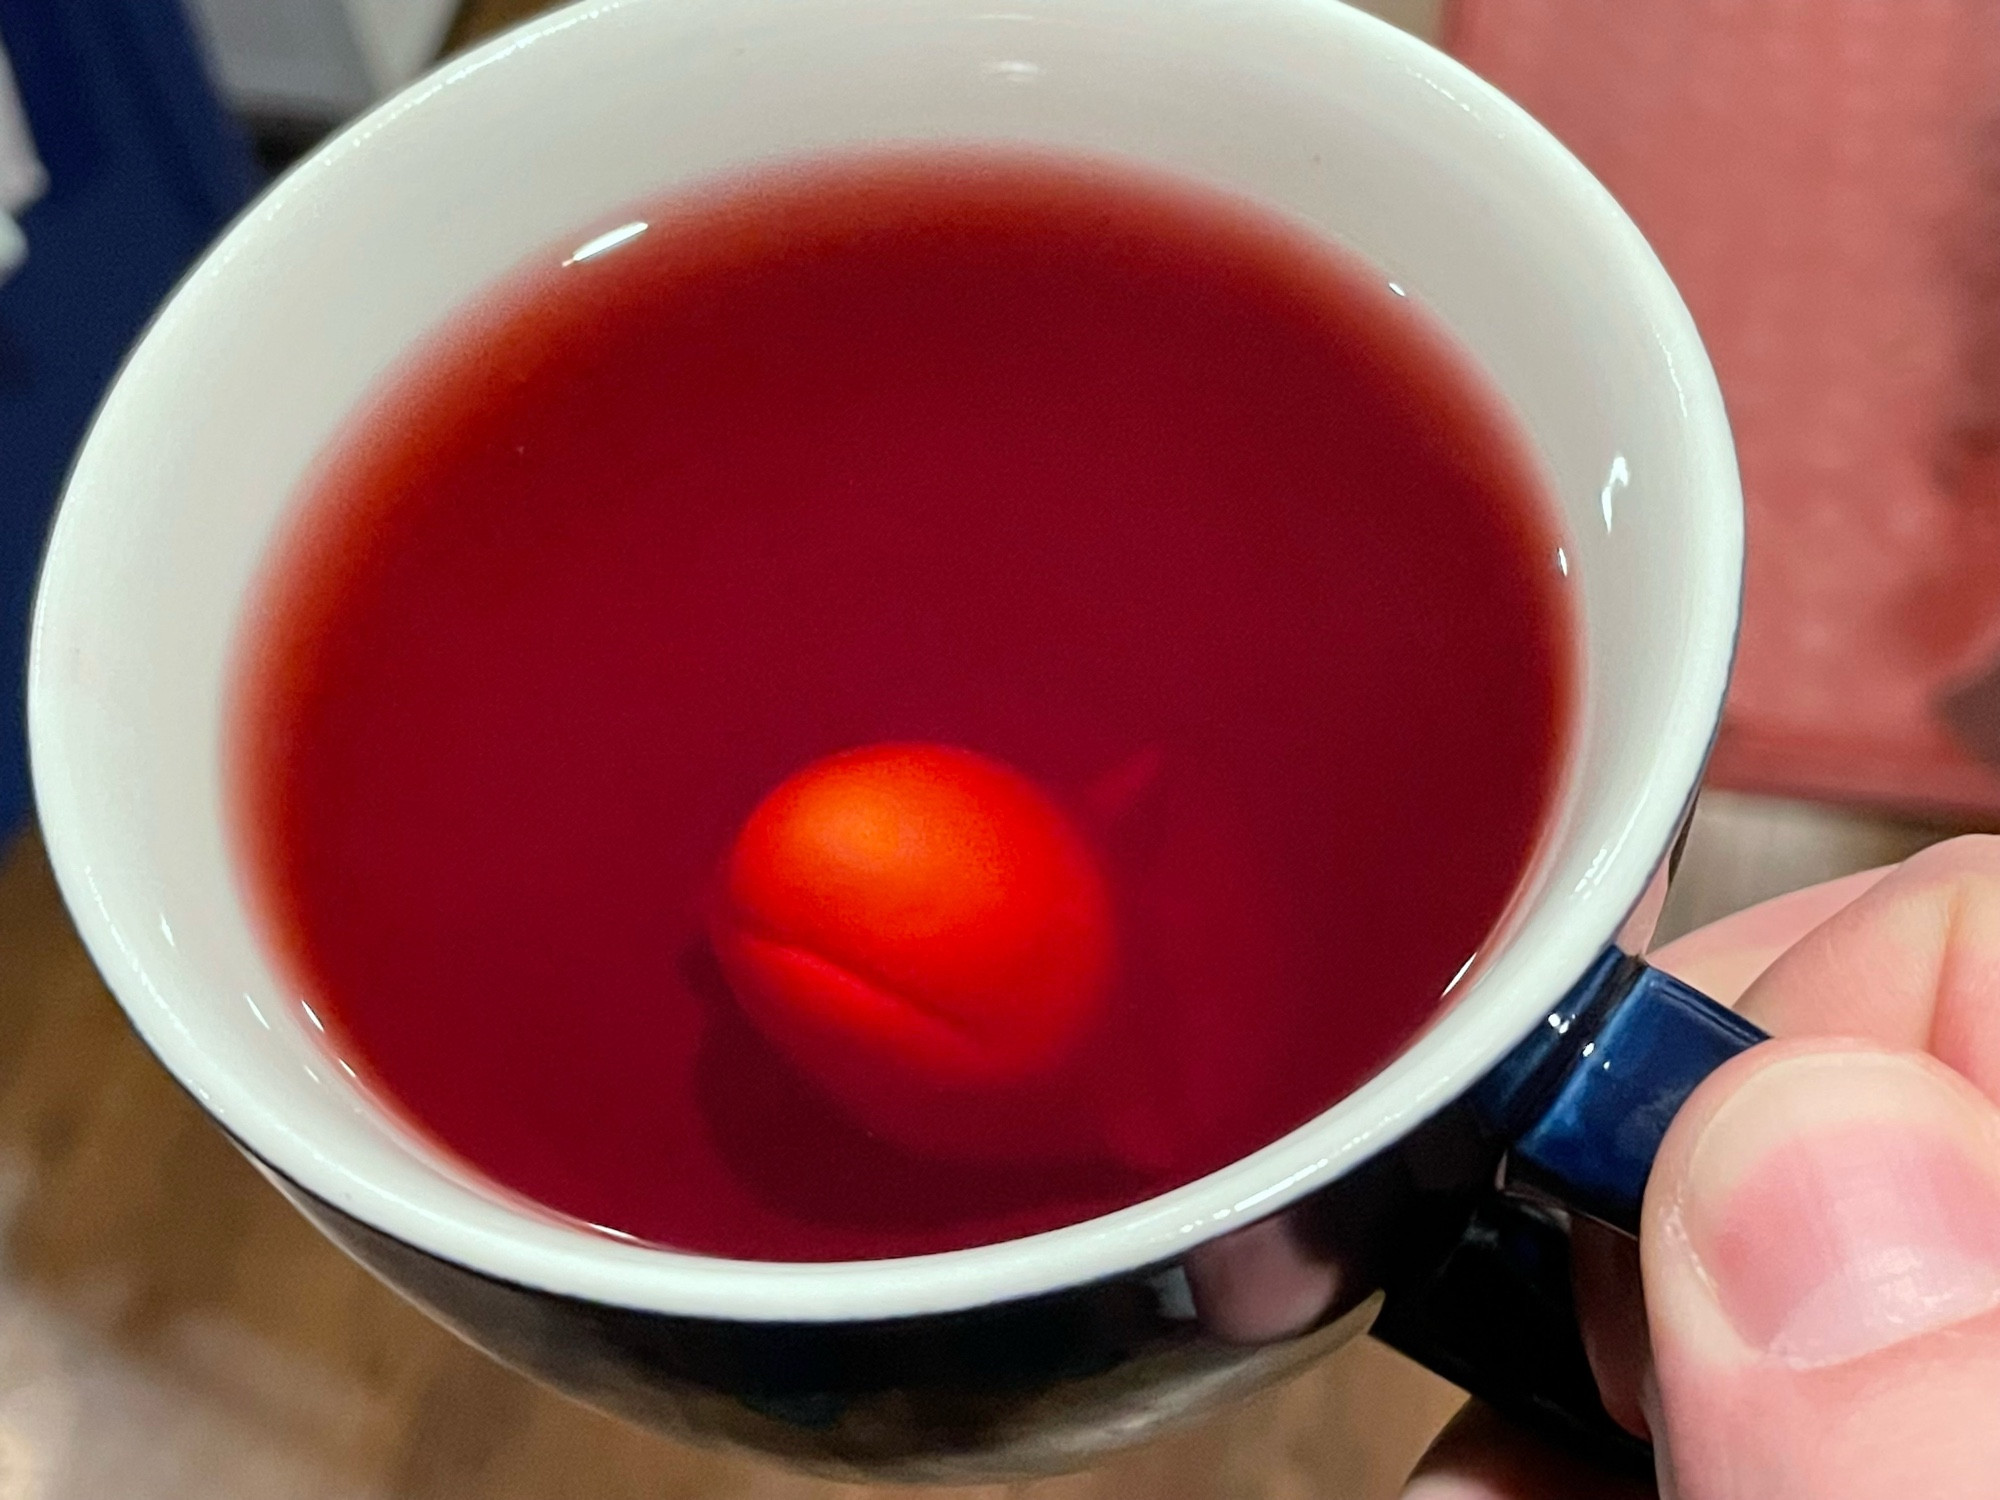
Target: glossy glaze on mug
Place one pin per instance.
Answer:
(1412, 1245)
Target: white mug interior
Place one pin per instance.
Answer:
(545, 138)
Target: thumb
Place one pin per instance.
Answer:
(1821, 1251)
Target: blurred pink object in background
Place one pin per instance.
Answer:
(1822, 179)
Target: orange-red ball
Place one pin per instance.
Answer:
(914, 916)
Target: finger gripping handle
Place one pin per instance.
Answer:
(1582, 1104)
(1592, 1147)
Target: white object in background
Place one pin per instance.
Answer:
(399, 38)
(22, 179)
(318, 59)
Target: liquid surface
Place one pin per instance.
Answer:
(1205, 531)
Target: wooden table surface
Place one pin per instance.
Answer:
(171, 1330)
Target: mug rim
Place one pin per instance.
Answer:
(1355, 1128)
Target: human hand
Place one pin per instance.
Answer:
(1820, 1247)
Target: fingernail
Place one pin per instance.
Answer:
(1845, 1201)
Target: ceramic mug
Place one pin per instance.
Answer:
(1552, 1067)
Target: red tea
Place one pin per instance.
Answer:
(1199, 525)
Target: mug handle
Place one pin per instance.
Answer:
(1584, 1104)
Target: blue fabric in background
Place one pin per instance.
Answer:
(144, 167)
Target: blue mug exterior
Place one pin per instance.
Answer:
(1450, 1245)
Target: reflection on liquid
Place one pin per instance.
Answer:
(801, 1152)
(611, 239)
